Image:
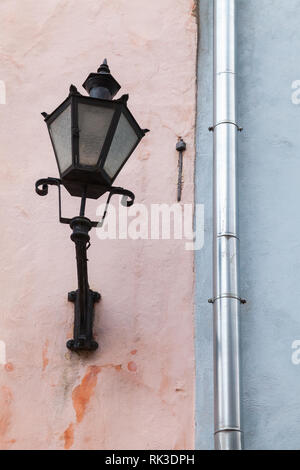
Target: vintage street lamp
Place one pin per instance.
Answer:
(92, 138)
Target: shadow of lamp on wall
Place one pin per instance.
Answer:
(92, 137)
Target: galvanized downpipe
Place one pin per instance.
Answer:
(228, 434)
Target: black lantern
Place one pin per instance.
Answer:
(92, 137)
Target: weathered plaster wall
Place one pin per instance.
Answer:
(137, 390)
(269, 167)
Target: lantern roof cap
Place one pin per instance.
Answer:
(102, 84)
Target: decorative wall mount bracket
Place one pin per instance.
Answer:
(83, 298)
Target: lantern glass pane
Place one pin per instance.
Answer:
(93, 123)
(121, 147)
(60, 131)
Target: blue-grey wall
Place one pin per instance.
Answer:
(269, 184)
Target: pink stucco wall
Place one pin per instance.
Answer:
(137, 391)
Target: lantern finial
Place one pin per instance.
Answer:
(104, 68)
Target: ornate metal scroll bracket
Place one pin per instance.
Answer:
(41, 188)
(127, 201)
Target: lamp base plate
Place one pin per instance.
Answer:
(82, 344)
(83, 340)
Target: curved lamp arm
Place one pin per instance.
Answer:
(44, 182)
(127, 201)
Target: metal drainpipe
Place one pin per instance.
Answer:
(228, 434)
